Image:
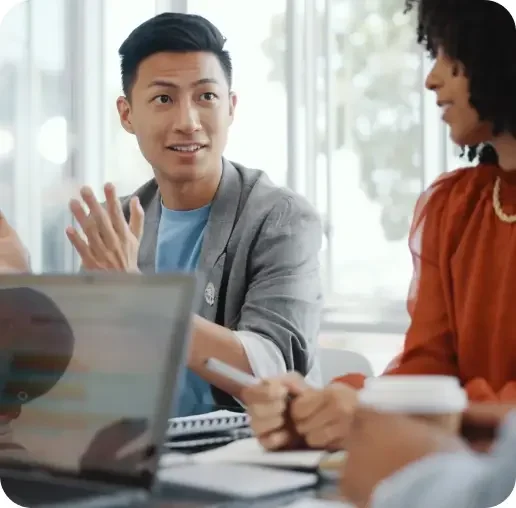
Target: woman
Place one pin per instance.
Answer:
(463, 236)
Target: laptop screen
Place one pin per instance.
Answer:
(87, 365)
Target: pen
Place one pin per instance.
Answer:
(242, 378)
(237, 376)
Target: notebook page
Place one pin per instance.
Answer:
(249, 451)
(223, 413)
(237, 480)
(173, 459)
(318, 503)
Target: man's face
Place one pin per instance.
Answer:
(180, 109)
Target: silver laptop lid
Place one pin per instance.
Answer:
(88, 365)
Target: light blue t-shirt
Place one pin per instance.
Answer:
(180, 236)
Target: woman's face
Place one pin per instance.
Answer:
(451, 86)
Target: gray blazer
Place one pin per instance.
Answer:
(259, 266)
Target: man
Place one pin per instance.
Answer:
(254, 245)
(399, 462)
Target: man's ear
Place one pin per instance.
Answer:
(124, 111)
(233, 99)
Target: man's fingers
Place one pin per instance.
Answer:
(89, 228)
(79, 213)
(324, 416)
(267, 391)
(136, 218)
(323, 436)
(268, 409)
(89, 198)
(295, 383)
(107, 233)
(307, 405)
(114, 209)
(262, 426)
(275, 440)
(273, 389)
(100, 220)
(81, 247)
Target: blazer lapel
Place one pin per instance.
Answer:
(147, 252)
(216, 236)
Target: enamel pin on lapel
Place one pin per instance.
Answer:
(209, 294)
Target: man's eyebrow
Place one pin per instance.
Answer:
(169, 84)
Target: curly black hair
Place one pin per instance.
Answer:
(480, 35)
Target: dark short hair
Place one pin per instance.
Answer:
(171, 32)
(36, 348)
(481, 35)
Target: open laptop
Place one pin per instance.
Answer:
(88, 365)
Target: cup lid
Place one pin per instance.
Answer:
(414, 394)
(412, 381)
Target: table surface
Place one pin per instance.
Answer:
(29, 492)
(175, 497)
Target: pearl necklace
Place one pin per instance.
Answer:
(508, 219)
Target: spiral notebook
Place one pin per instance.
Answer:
(208, 423)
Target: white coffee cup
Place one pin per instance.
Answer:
(437, 399)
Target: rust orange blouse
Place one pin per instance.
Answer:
(462, 298)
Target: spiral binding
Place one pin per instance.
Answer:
(198, 425)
